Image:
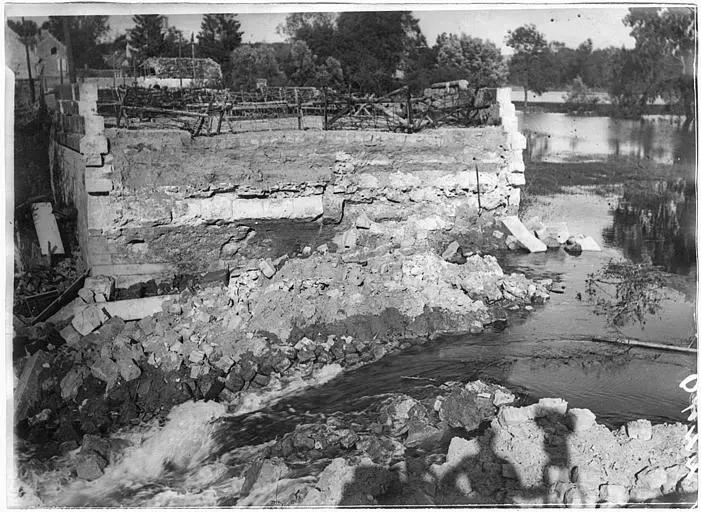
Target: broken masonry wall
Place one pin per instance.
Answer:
(167, 202)
(78, 153)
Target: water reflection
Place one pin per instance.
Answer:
(561, 137)
(654, 222)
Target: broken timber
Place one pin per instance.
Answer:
(52, 308)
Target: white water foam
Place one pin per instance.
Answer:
(183, 443)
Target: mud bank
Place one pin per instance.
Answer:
(458, 444)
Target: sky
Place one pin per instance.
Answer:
(568, 25)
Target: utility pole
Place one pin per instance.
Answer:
(192, 45)
(26, 40)
(180, 57)
(69, 50)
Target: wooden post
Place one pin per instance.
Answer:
(299, 109)
(192, 44)
(326, 113)
(409, 113)
(479, 198)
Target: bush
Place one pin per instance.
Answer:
(579, 97)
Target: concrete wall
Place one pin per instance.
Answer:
(154, 202)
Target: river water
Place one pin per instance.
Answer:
(548, 352)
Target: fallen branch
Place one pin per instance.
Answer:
(646, 344)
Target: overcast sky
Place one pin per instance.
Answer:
(569, 25)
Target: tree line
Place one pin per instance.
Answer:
(375, 52)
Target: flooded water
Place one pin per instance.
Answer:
(561, 137)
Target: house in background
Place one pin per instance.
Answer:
(48, 58)
(178, 72)
(52, 59)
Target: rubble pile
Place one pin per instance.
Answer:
(471, 444)
(275, 328)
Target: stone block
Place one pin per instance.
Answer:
(587, 477)
(524, 237)
(87, 295)
(128, 369)
(87, 320)
(639, 429)
(580, 420)
(555, 474)
(98, 185)
(93, 144)
(90, 466)
(588, 244)
(70, 335)
(106, 370)
(612, 496)
(553, 235)
(86, 91)
(462, 451)
(517, 179)
(548, 406)
(651, 478)
(508, 415)
(332, 207)
(100, 284)
(349, 238)
(93, 124)
(267, 268)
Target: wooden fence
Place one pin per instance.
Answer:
(215, 111)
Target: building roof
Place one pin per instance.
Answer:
(176, 67)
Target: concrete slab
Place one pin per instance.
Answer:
(588, 243)
(524, 237)
(47, 229)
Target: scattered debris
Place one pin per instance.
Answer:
(523, 235)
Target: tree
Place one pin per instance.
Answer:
(84, 33)
(329, 74)
(317, 29)
(219, 35)
(665, 42)
(633, 83)
(249, 63)
(300, 65)
(374, 46)
(173, 45)
(528, 65)
(147, 37)
(470, 58)
(27, 32)
(579, 97)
